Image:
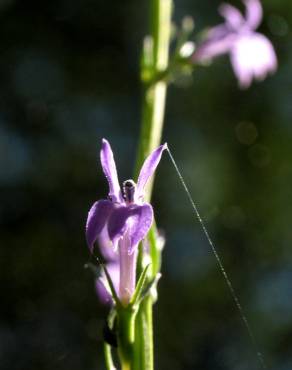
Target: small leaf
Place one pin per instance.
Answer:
(140, 286)
(112, 317)
(150, 287)
(108, 357)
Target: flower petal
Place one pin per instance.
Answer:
(96, 220)
(139, 224)
(232, 15)
(106, 247)
(102, 287)
(102, 292)
(217, 33)
(117, 223)
(110, 171)
(215, 44)
(134, 221)
(254, 13)
(253, 56)
(148, 168)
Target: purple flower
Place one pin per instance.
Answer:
(252, 54)
(120, 222)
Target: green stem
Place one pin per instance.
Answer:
(126, 335)
(150, 137)
(155, 93)
(108, 357)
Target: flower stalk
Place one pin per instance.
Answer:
(155, 61)
(126, 335)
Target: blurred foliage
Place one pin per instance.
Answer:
(69, 76)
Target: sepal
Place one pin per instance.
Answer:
(136, 298)
(151, 289)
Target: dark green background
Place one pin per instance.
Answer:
(69, 75)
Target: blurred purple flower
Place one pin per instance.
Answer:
(120, 222)
(252, 54)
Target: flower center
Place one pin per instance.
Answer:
(129, 188)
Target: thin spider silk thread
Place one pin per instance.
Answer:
(220, 264)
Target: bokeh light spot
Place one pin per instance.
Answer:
(246, 133)
(278, 25)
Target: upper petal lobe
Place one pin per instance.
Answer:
(232, 15)
(110, 171)
(148, 168)
(254, 13)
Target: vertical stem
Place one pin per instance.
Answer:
(135, 330)
(126, 335)
(108, 357)
(155, 93)
(150, 136)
